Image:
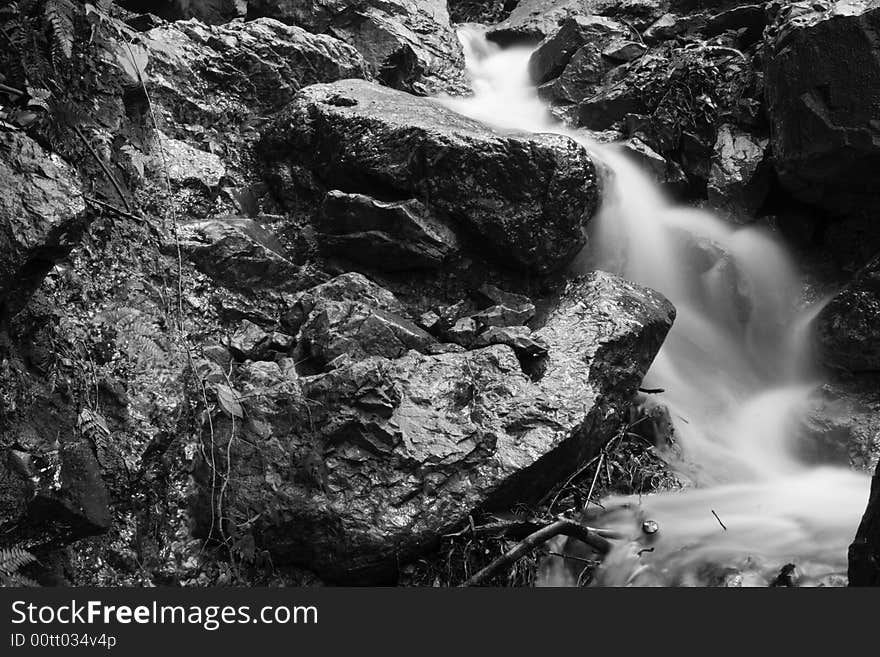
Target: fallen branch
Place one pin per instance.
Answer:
(562, 527)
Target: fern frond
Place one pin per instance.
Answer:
(14, 558)
(59, 14)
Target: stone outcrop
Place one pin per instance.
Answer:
(527, 197)
(355, 470)
(409, 44)
(42, 213)
(822, 87)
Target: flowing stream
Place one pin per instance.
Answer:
(734, 370)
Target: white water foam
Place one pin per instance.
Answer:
(734, 368)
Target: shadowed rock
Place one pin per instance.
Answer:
(526, 197)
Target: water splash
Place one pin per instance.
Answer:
(734, 368)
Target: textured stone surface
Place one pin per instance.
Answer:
(823, 88)
(409, 44)
(527, 197)
(739, 179)
(407, 447)
(42, 215)
(390, 236)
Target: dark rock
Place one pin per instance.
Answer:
(347, 287)
(518, 338)
(534, 20)
(670, 26)
(206, 11)
(739, 180)
(240, 254)
(463, 331)
(623, 50)
(409, 44)
(390, 236)
(556, 51)
(864, 552)
(411, 446)
(848, 328)
(823, 88)
(527, 197)
(449, 315)
(355, 326)
(750, 19)
(492, 295)
(487, 12)
(220, 74)
(249, 341)
(503, 316)
(665, 172)
(42, 212)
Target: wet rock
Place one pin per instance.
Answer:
(42, 212)
(492, 295)
(390, 236)
(463, 331)
(665, 172)
(738, 179)
(409, 44)
(430, 321)
(354, 326)
(220, 75)
(826, 146)
(526, 197)
(556, 51)
(623, 50)
(240, 254)
(574, 57)
(503, 316)
(207, 11)
(670, 26)
(848, 327)
(748, 20)
(410, 446)
(518, 338)
(347, 287)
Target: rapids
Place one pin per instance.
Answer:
(735, 370)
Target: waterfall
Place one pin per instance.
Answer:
(734, 369)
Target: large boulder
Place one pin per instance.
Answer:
(359, 469)
(42, 215)
(848, 327)
(823, 90)
(409, 44)
(223, 73)
(527, 197)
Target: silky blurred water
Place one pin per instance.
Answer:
(734, 370)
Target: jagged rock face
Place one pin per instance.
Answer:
(738, 180)
(826, 146)
(208, 73)
(356, 470)
(240, 254)
(409, 44)
(42, 214)
(393, 236)
(527, 197)
(848, 328)
(534, 20)
(864, 553)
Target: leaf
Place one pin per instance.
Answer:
(133, 60)
(229, 401)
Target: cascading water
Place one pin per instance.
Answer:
(734, 370)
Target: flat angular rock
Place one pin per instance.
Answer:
(518, 338)
(390, 236)
(526, 196)
(239, 253)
